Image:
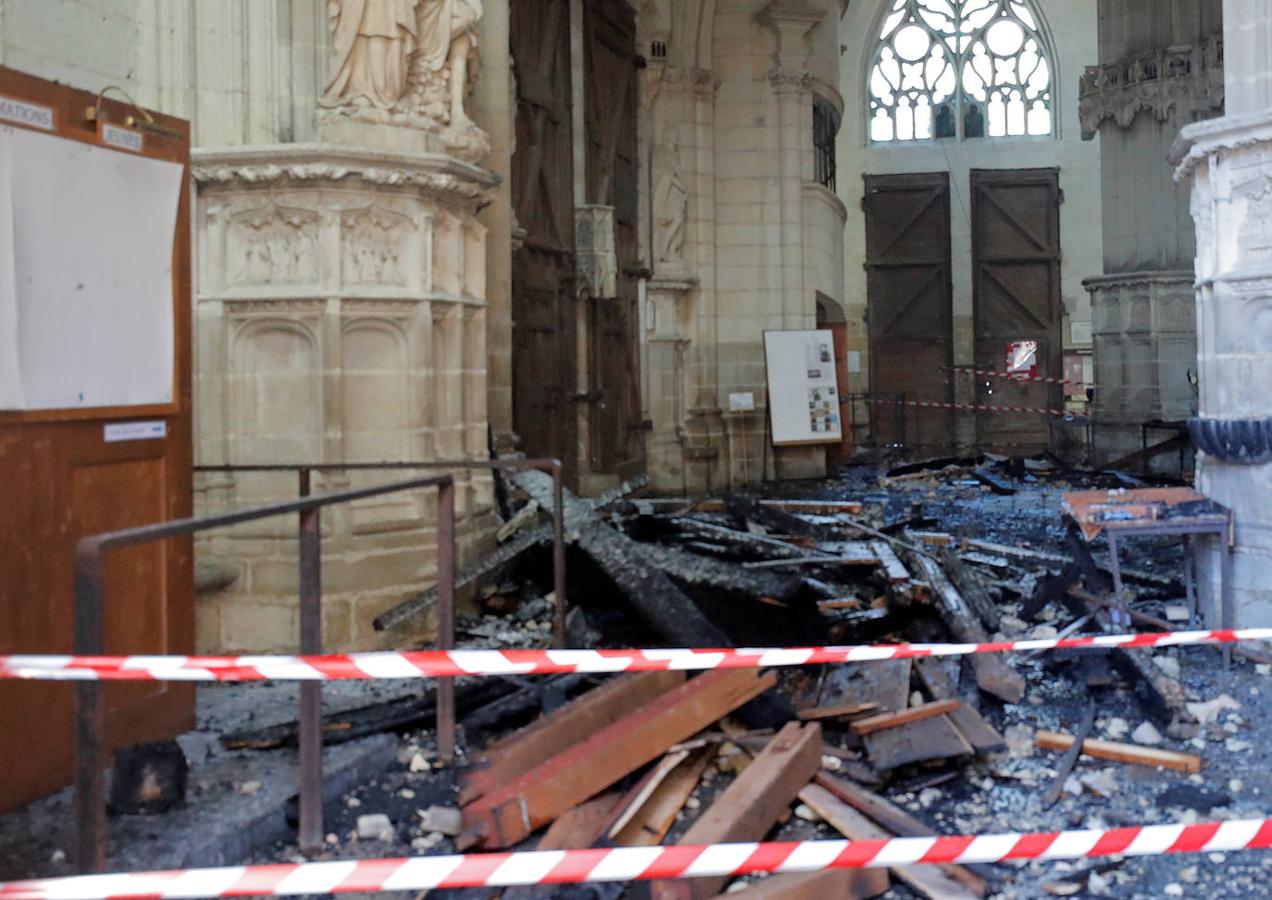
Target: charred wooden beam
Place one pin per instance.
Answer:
(489, 565)
(514, 810)
(750, 806)
(748, 509)
(649, 590)
(968, 584)
(520, 752)
(704, 571)
(992, 674)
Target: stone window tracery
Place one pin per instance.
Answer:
(960, 69)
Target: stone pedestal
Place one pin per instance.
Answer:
(340, 301)
(1230, 163)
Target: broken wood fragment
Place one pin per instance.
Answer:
(512, 811)
(932, 881)
(750, 806)
(903, 717)
(651, 809)
(976, 731)
(836, 712)
(704, 571)
(832, 884)
(1070, 757)
(518, 753)
(1126, 753)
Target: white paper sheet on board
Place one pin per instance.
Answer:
(10, 379)
(92, 264)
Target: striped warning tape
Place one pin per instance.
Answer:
(1007, 376)
(437, 663)
(972, 407)
(645, 863)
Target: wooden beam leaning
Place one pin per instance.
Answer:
(1126, 753)
(749, 807)
(518, 808)
(513, 756)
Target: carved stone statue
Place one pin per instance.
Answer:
(372, 44)
(671, 206)
(448, 47)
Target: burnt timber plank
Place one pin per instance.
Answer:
(904, 717)
(650, 591)
(704, 571)
(833, 884)
(897, 821)
(516, 809)
(917, 742)
(1126, 753)
(521, 751)
(930, 881)
(973, 590)
(992, 674)
(750, 806)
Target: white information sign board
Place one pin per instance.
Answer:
(86, 236)
(802, 387)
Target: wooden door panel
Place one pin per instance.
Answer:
(544, 357)
(617, 438)
(909, 295)
(1016, 296)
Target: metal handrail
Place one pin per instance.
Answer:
(90, 602)
(552, 467)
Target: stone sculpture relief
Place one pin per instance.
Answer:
(409, 63)
(671, 204)
(273, 245)
(372, 247)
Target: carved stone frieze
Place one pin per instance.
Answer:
(373, 244)
(435, 174)
(1187, 80)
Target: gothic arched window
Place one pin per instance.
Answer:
(960, 68)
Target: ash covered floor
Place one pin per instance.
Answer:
(386, 812)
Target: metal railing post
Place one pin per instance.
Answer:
(446, 616)
(310, 832)
(558, 555)
(90, 717)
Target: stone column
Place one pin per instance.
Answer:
(1230, 163)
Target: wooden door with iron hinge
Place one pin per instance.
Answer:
(1017, 304)
(909, 309)
(617, 429)
(544, 333)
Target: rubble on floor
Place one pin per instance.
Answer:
(964, 550)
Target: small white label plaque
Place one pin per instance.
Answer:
(742, 402)
(123, 138)
(135, 431)
(31, 114)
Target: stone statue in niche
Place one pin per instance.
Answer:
(372, 43)
(406, 63)
(671, 204)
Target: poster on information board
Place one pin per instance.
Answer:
(802, 388)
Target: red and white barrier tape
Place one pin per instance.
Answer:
(1007, 376)
(644, 863)
(973, 407)
(436, 663)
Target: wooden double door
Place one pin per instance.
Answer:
(551, 322)
(1015, 264)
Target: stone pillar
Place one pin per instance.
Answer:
(1229, 161)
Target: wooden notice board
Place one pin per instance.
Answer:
(803, 388)
(95, 428)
